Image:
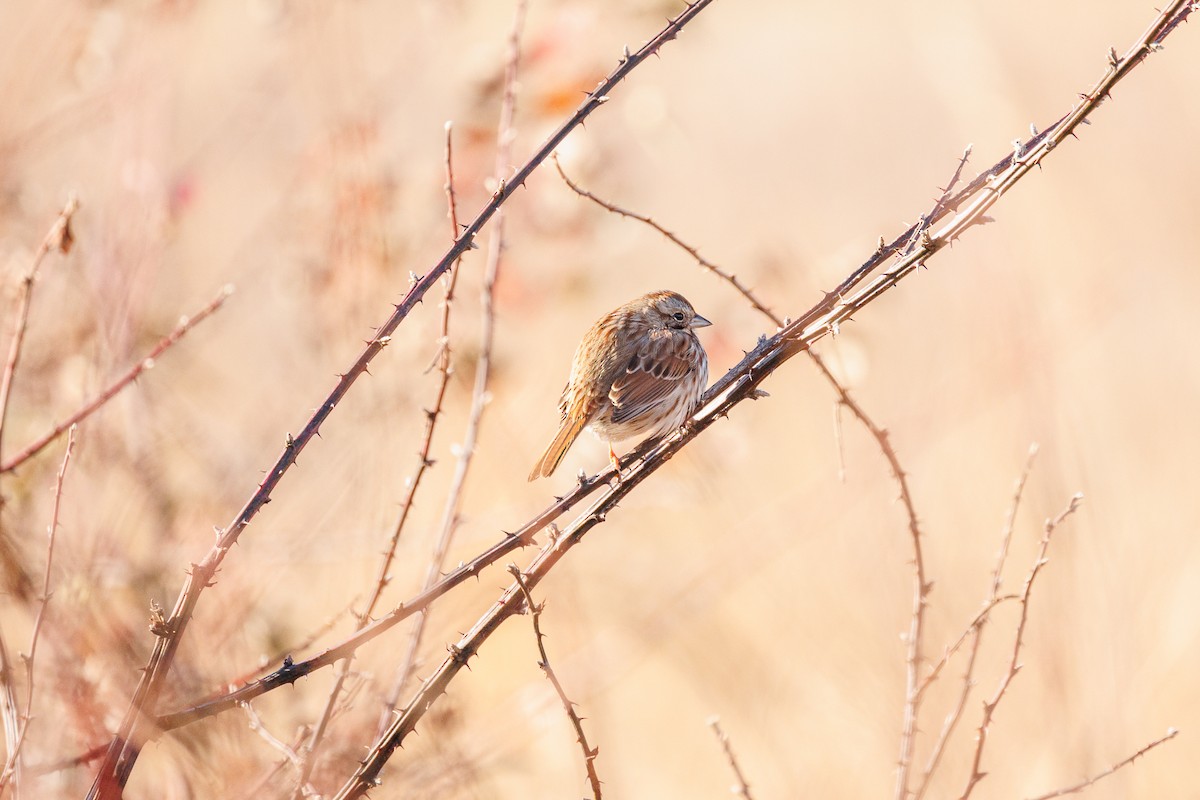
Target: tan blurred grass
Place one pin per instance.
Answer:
(295, 151)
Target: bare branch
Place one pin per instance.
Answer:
(483, 366)
(589, 752)
(741, 788)
(130, 375)
(975, 630)
(14, 763)
(729, 278)
(59, 238)
(940, 204)
(275, 743)
(1014, 662)
(1079, 787)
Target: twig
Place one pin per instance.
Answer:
(67, 763)
(14, 762)
(741, 788)
(443, 365)
(126, 744)
(292, 671)
(59, 238)
(975, 630)
(130, 375)
(10, 712)
(728, 277)
(1079, 787)
(939, 205)
(275, 743)
(589, 752)
(442, 361)
(483, 366)
(1014, 665)
(975, 624)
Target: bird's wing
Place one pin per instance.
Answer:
(651, 375)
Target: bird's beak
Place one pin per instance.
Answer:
(700, 322)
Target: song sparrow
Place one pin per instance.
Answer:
(639, 370)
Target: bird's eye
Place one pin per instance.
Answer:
(678, 315)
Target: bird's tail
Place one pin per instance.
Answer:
(549, 461)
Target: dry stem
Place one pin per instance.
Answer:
(1079, 787)
(124, 380)
(589, 752)
(275, 743)
(483, 366)
(13, 767)
(728, 277)
(742, 787)
(1014, 665)
(442, 361)
(59, 238)
(975, 631)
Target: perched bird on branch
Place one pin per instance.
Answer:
(639, 370)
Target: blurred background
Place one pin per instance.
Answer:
(294, 149)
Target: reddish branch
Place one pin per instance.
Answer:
(483, 367)
(974, 632)
(120, 383)
(1014, 662)
(13, 767)
(589, 752)
(1084, 784)
(60, 238)
(742, 787)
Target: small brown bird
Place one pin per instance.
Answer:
(639, 370)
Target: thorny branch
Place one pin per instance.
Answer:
(1079, 787)
(589, 752)
(118, 384)
(742, 787)
(13, 767)
(60, 238)
(975, 632)
(483, 365)
(1014, 663)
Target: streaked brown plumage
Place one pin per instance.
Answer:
(639, 370)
